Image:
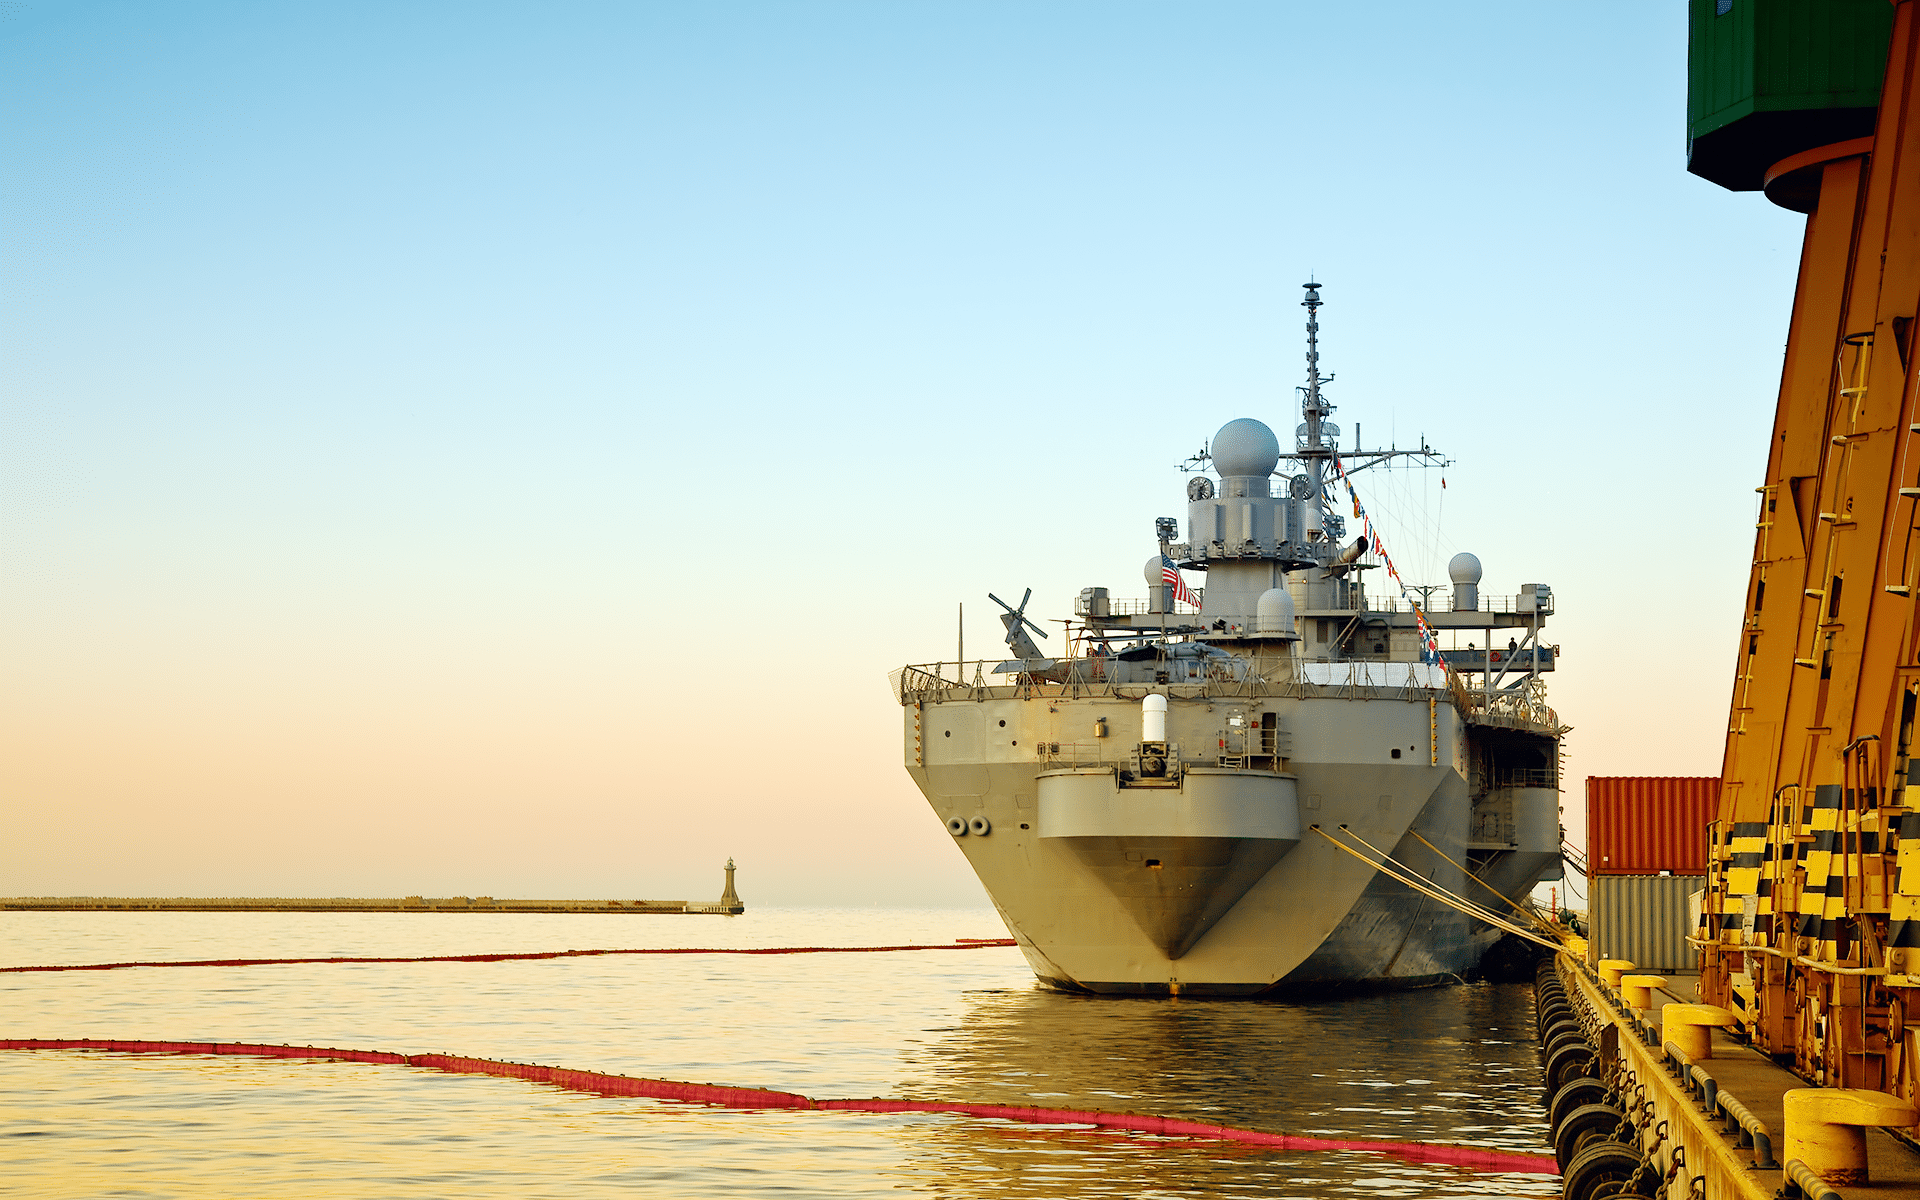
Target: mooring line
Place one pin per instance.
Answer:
(957, 944)
(598, 1083)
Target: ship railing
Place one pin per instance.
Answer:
(1250, 678)
(1245, 679)
(1356, 600)
(1085, 754)
(1102, 752)
(1440, 602)
(1523, 709)
(1143, 608)
(1525, 777)
(1254, 678)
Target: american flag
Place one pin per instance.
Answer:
(1171, 574)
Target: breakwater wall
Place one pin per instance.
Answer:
(429, 904)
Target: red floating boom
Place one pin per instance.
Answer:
(958, 944)
(601, 1084)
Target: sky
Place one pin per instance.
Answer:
(501, 449)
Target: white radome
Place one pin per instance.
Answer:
(1245, 447)
(1463, 568)
(1273, 612)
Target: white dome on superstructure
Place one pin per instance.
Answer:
(1273, 613)
(1463, 568)
(1156, 571)
(1245, 447)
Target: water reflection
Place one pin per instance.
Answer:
(1451, 1065)
(1442, 1065)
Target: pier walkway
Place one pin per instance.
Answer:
(1724, 1111)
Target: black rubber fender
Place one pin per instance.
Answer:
(1565, 1037)
(1603, 1165)
(1578, 1092)
(1568, 1063)
(1579, 1126)
(1545, 1018)
(1560, 1026)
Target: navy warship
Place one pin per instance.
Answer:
(1195, 796)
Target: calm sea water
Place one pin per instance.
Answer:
(1448, 1065)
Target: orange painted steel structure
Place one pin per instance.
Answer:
(1643, 825)
(1811, 927)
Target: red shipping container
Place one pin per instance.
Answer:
(1646, 824)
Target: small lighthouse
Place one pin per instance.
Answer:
(730, 899)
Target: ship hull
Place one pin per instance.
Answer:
(1132, 908)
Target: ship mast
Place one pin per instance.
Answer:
(1314, 407)
(1318, 440)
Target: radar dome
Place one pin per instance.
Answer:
(1463, 568)
(1273, 613)
(1245, 447)
(1156, 571)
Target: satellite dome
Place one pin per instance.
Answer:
(1245, 447)
(1156, 571)
(1463, 568)
(1273, 613)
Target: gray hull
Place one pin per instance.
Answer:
(1231, 880)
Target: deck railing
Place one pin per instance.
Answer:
(1356, 601)
(1265, 676)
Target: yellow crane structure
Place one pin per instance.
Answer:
(1810, 925)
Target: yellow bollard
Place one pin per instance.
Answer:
(1691, 1026)
(1826, 1129)
(1637, 990)
(1611, 969)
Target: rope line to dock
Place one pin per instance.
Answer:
(1399, 871)
(957, 944)
(598, 1083)
(1532, 918)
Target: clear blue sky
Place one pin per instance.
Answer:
(513, 442)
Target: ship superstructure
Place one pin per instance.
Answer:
(1172, 805)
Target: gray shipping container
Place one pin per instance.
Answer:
(1643, 919)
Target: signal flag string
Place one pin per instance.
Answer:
(1429, 641)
